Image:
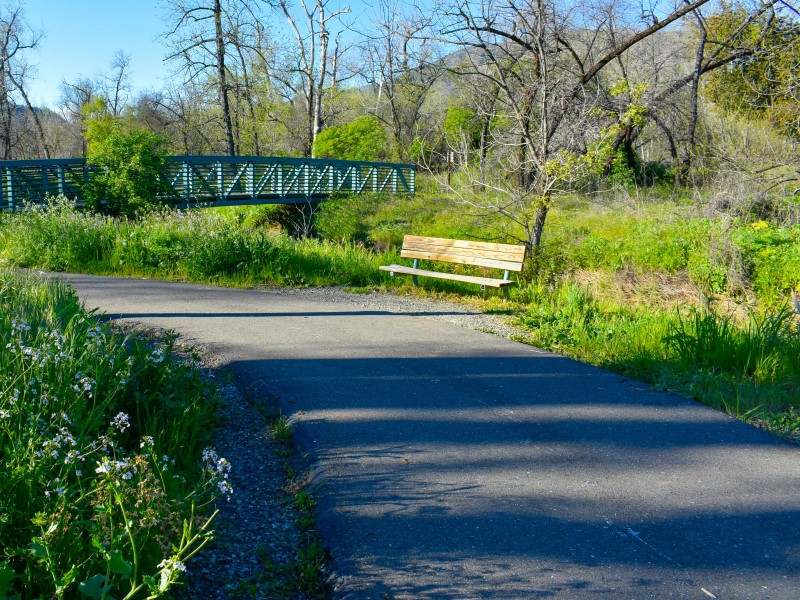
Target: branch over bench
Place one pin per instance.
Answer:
(508, 257)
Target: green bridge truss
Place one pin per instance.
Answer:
(214, 180)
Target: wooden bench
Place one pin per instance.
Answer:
(508, 257)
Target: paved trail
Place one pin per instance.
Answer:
(455, 464)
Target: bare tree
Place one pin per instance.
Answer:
(673, 102)
(15, 39)
(547, 60)
(75, 96)
(400, 64)
(311, 66)
(201, 43)
(116, 83)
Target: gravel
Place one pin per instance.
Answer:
(257, 535)
(457, 313)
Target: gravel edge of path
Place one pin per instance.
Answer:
(456, 313)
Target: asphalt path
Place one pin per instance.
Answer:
(456, 464)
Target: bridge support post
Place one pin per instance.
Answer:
(10, 188)
(250, 180)
(220, 182)
(187, 181)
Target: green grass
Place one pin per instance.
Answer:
(202, 246)
(750, 369)
(104, 481)
(645, 258)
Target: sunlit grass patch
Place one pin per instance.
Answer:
(749, 369)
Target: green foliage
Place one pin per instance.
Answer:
(98, 123)
(461, 127)
(281, 431)
(620, 173)
(570, 320)
(201, 245)
(772, 258)
(607, 155)
(101, 438)
(363, 139)
(765, 84)
(128, 167)
(344, 217)
(646, 243)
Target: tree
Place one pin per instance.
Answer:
(75, 96)
(766, 82)
(311, 71)
(673, 101)
(462, 131)
(201, 44)
(129, 163)
(550, 63)
(116, 88)
(362, 139)
(399, 63)
(16, 38)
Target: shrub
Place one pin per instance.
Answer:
(128, 171)
(362, 139)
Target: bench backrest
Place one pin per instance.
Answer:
(508, 257)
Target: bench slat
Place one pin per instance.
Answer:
(494, 251)
(485, 281)
(476, 252)
(447, 242)
(462, 259)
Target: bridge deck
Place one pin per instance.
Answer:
(214, 180)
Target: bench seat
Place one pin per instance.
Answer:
(482, 281)
(505, 257)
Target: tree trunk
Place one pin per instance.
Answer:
(319, 86)
(698, 71)
(37, 121)
(535, 237)
(223, 78)
(5, 111)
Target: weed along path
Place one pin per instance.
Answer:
(453, 464)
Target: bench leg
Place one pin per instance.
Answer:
(414, 278)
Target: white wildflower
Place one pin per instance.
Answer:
(121, 421)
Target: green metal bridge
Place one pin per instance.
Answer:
(214, 180)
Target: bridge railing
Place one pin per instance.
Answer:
(214, 180)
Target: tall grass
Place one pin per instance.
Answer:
(569, 320)
(750, 370)
(755, 367)
(104, 481)
(203, 246)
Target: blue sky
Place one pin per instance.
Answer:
(81, 37)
